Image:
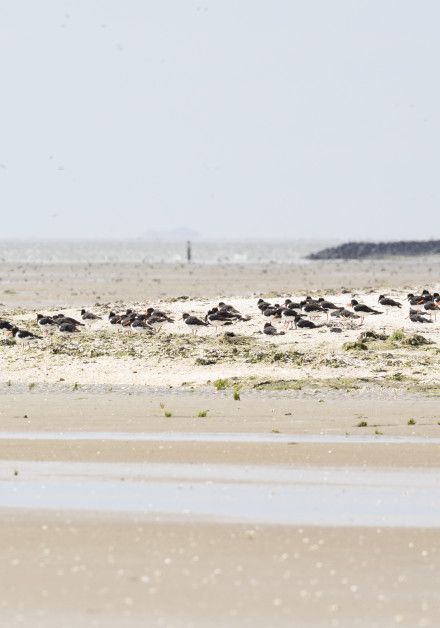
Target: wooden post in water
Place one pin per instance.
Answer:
(188, 252)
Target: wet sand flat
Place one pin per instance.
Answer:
(135, 492)
(75, 570)
(37, 285)
(183, 521)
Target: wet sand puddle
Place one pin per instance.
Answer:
(218, 437)
(269, 494)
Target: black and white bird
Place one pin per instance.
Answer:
(416, 303)
(362, 309)
(327, 305)
(289, 315)
(22, 334)
(219, 319)
(272, 312)
(140, 326)
(60, 318)
(312, 307)
(262, 304)
(45, 321)
(156, 321)
(232, 311)
(387, 302)
(341, 312)
(431, 306)
(304, 323)
(89, 316)
(417, 317)
(67, 328)
(194, 322)
(292, 305)
(270, 330)
(5, 325)
(151, 311)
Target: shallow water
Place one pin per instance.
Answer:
(259, 494)
(219, 437)
(159, 251)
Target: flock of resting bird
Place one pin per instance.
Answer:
(422, 309)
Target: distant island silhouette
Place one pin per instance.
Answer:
(361, 250)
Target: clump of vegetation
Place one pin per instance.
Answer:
(398, 377)
(397, 336)
(168, 414)
(416, 340)
(75, 386)
(275, 430)
(411, 421)
(236, 393)
(280, 384)
(378, 432)
(206, 361)
(371, 335)
(221, 384)
(202, 414)
(362, 424)
(357, 345)
(8, 342)
(32, 385)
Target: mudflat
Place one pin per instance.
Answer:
(215, 480)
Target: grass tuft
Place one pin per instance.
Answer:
(221, 384)
(202, 414)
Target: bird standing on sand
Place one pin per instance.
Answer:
(220, 319)
(341, 312)
(362, 309)
(289, 315)
(139, 325)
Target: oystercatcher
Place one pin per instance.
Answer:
(67, 328)
(386, 302)
(220, 319)
(6, 325)
(417, 317)
(45, 321)
(89, 316)
(304, 323)
(270, 330)
(362, 309)
(194, 322)
(22, 334)
(139, 325)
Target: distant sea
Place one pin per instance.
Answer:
(149, 251)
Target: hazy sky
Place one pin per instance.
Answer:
(291, 118)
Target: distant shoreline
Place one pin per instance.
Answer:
(362, 250)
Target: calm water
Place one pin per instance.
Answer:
(260, 494)
(146, 251)
(219, 437)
